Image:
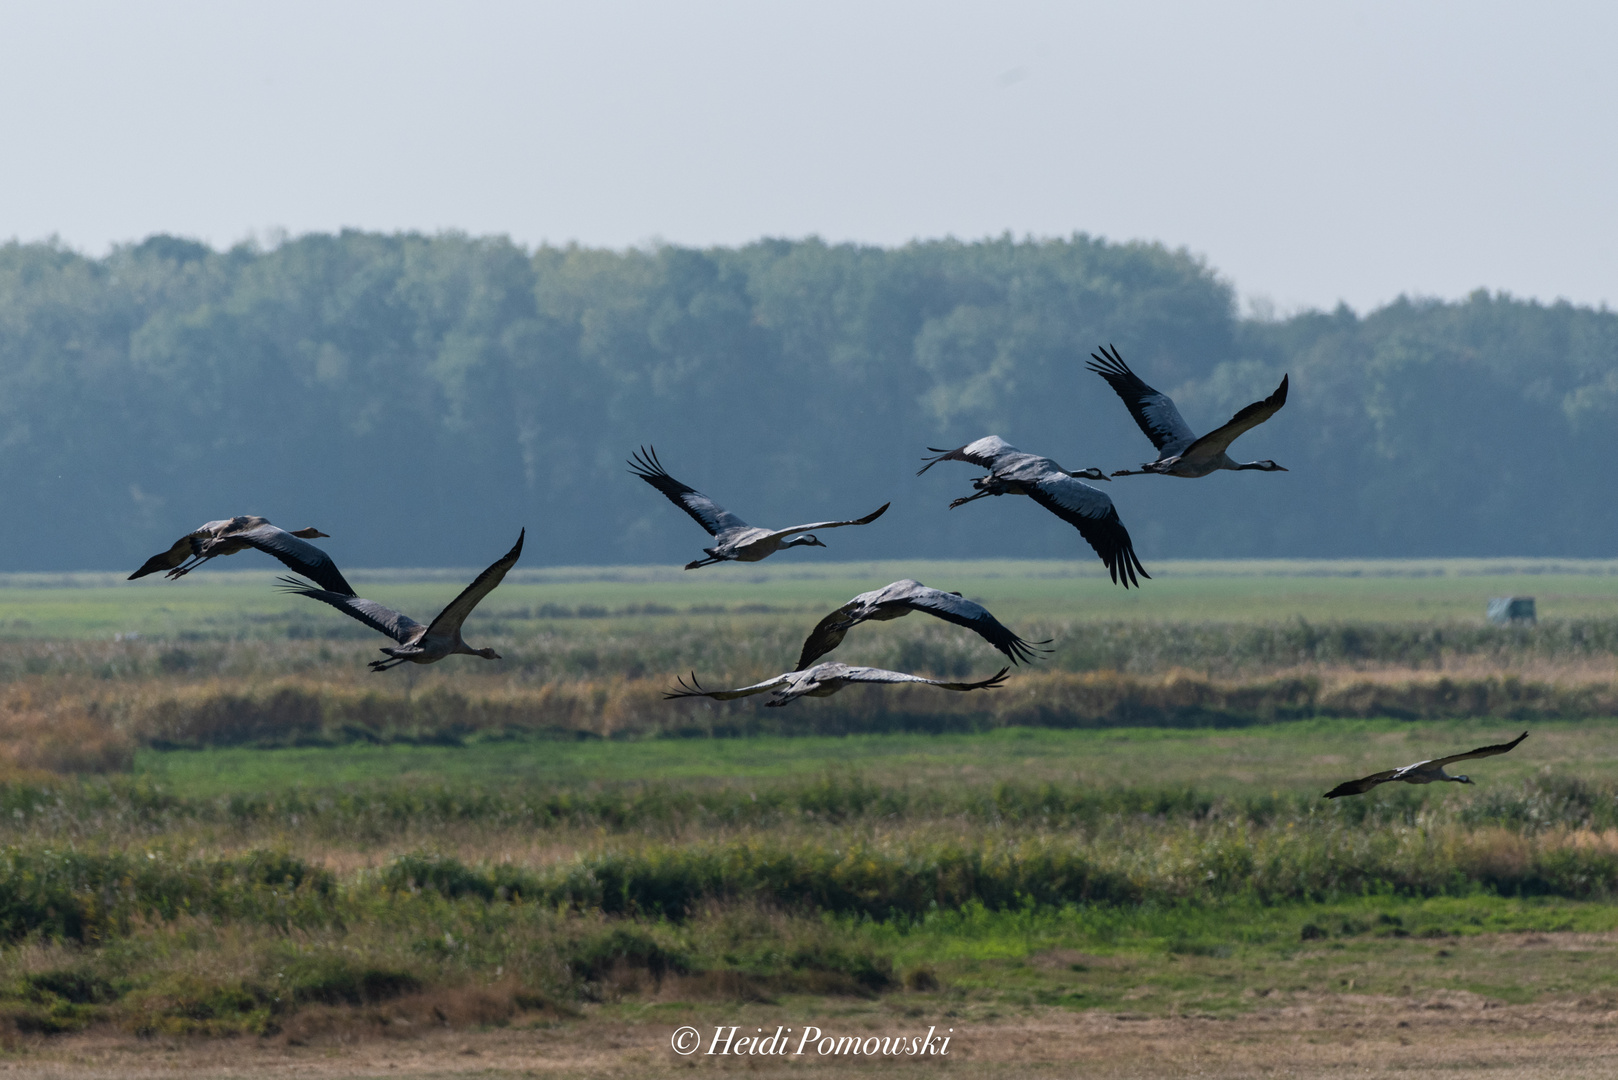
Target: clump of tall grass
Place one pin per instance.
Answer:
(1230, 649)
(72, 895)
(43, 729)
(303, 713)
(87, 706)
(395, 964)
(258, 942)
(731, 644)
(97, 810)
(66, 726)
(907, 877)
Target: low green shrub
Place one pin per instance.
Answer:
(594, 957)
(60, 894)
(907, 880)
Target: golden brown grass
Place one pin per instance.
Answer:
(86, 725)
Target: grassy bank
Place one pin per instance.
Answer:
(226, 825)
(424, 963)
(221, 659)
(321, 892)
(97, 719)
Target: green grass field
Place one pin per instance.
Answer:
(1290, 758)
(497, 877)
(232, 603)
(214, 877)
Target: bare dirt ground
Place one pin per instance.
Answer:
(1340, 1037)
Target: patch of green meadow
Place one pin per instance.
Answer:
(484, 876)
(1157, 959)
(217, 602)
(1298, 756)
(414, 883)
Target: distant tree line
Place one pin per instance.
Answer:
(420, 397)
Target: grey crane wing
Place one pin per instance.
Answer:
(1362, 785)
(983, 452)
(1482, 751)
(829, 632)
(459, 608)
(298, 555)
(232, 526)
(1153, 410)
(693, 689)
(1090, 511)
(1218, 440)
(882, 675)
(707, 513)
(975, 617)
(379, 617)
(813, 525)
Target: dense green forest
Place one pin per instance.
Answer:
(421, 397)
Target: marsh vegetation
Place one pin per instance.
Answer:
(230, 827)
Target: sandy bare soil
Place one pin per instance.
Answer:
(1345, 1036)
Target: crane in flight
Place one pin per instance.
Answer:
(1086, 508)
(823, 680)
(1180, 452)
(1422, 772)
(230, 535)
(901, 598)
(417, 643)
(736, 540)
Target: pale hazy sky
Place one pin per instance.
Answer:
(1311, 152)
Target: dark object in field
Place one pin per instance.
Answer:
(1512, 611)
(1179, 451)
(231, 535)
(823, 680)
(900, 599)
(738, 541)
(1088, 509)
(1422, 772)
(417, 643)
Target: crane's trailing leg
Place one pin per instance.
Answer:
(968, 498)
(180, 571)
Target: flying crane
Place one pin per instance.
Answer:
(1422, 772)
(230, 535)
(1180, 452)
(1086, 508)
(823, 680)
(417, 643)
(736, 540)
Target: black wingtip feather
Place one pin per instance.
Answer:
(1108, 363)
(995, 680)
(289, 584)
(693, 690)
